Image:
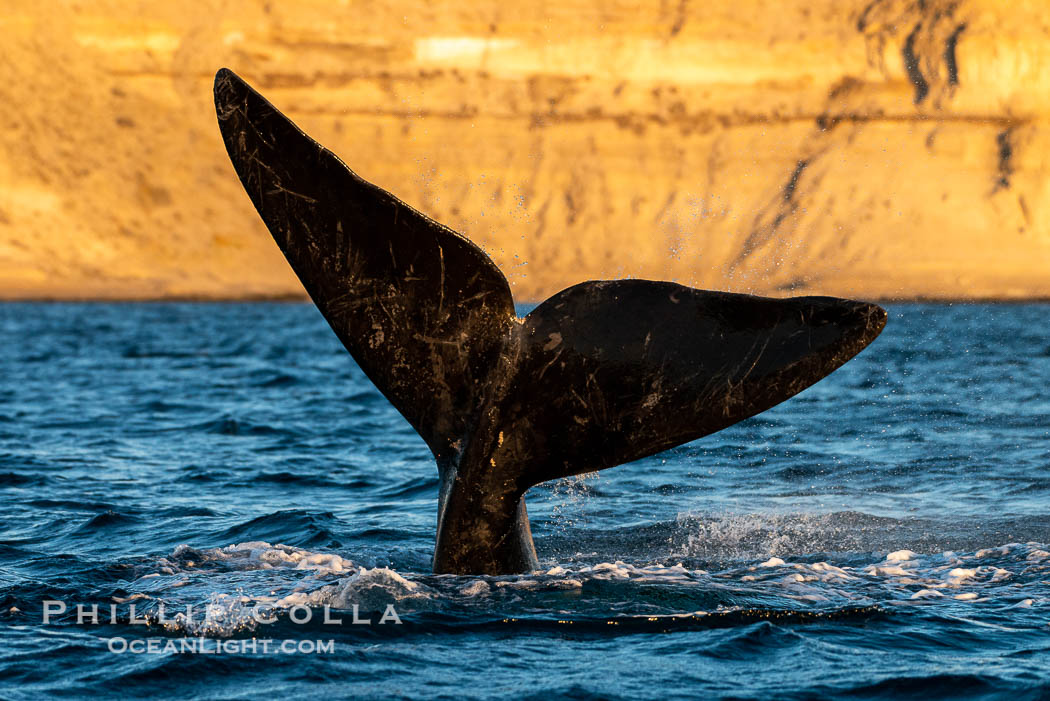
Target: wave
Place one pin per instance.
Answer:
(107, 519)
(14, 479)
(308, 480)
(294, 526)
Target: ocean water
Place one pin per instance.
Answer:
(885, 534)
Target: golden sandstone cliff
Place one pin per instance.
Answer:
(870, 148)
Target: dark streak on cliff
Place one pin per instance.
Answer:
(1006, 152)
(911, 65)
(763, 230)
(826, 122)
(680, 16)
(570, 206)
(794, 285)
(789, 189)
(949, 54)
(862, 21)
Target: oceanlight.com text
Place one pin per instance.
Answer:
(210, 646)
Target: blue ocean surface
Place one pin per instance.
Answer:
(229, 472)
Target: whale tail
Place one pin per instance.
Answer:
(602, 373)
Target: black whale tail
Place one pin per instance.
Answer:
(600, 374)
(617, 370)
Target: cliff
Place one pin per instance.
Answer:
(869, 148)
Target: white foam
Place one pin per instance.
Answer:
(1001, 574)
(830, 573)
(901, 556)
(958, 574)
(224, 615)
(1038, 556)
(607, 570)
(287, 577)
(374, 589)
(257, 554)
(368, 589)
(519, 584)
(133, 597)
(893, 571)
(478, 587)
(927, 594)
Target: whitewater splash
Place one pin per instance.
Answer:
(239, 588)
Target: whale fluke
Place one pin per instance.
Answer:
(602, 373)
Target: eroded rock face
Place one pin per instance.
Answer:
(875, 149)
